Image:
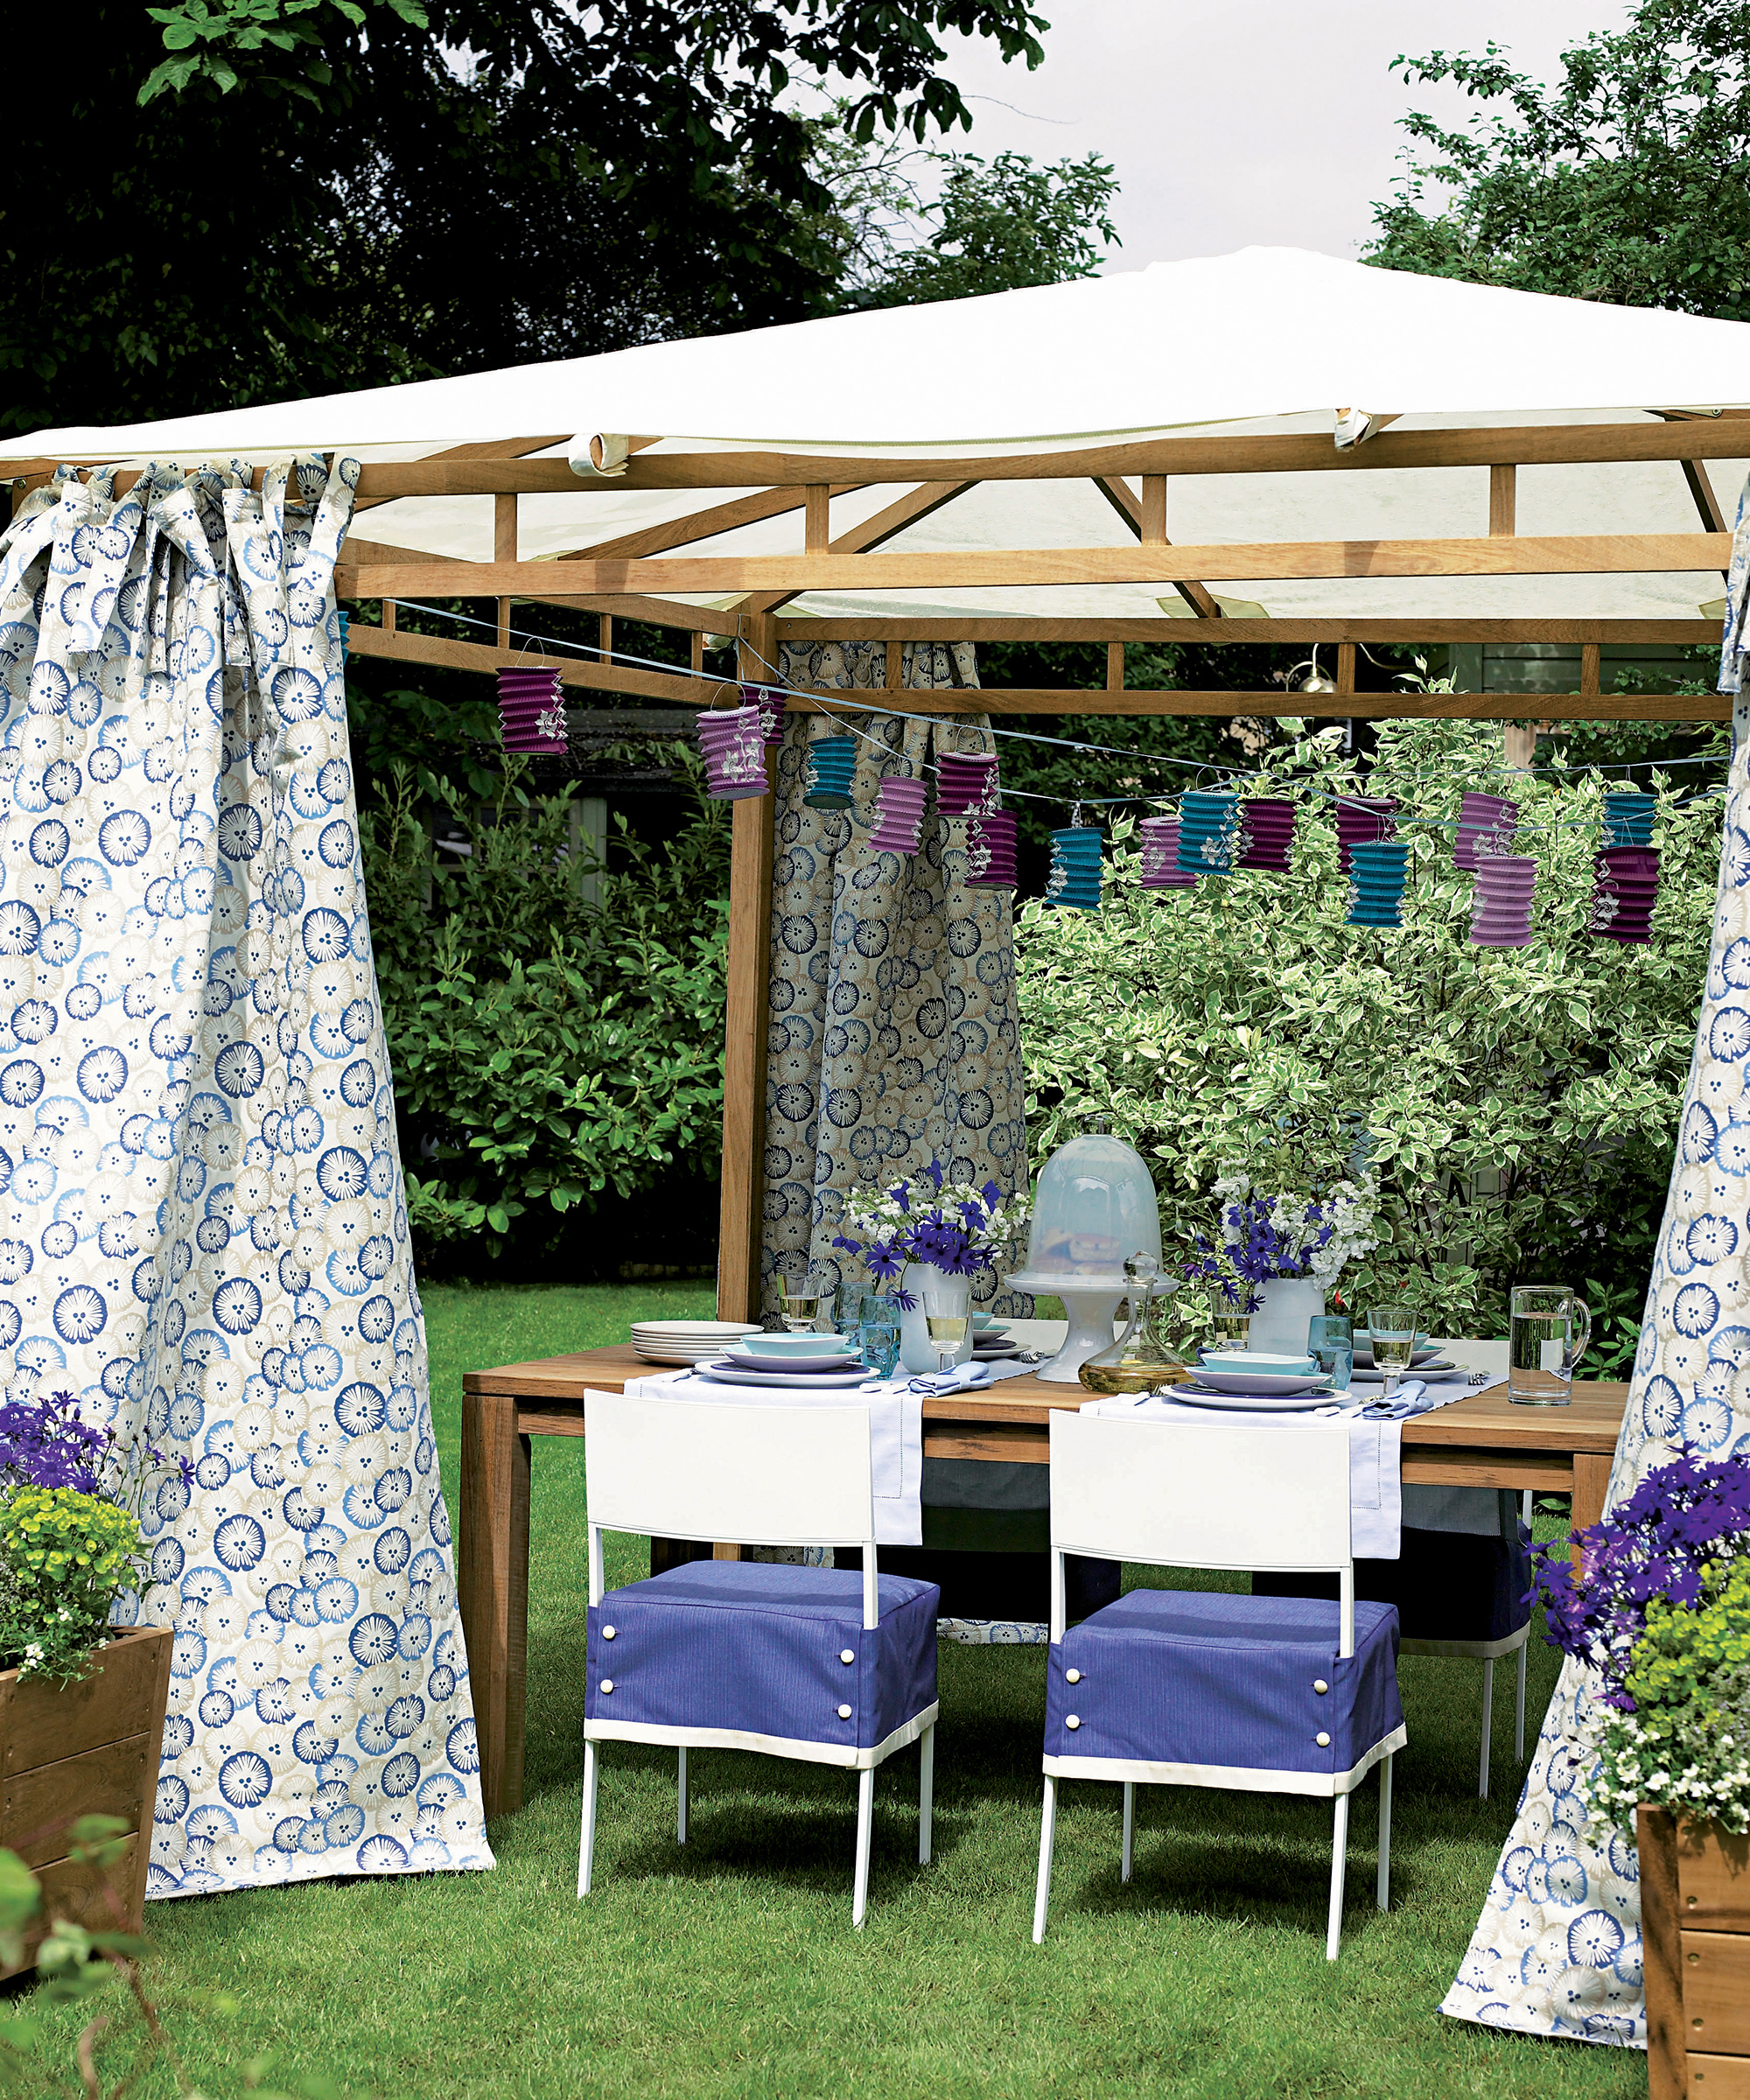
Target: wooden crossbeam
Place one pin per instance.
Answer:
(1129, 508)
(1589, 554)
(1289, 630)
(496, 448)
(886, 524)
(702, 524)
(440, 653)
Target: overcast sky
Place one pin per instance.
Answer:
(1237, 122)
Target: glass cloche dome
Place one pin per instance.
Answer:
(1094, 1205)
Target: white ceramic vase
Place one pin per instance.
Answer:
(917, 1354)
(1290, 1304)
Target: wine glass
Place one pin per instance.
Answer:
(948, 1312)
(798, 1305)
(1393, 1342)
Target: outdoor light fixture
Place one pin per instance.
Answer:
(1315, 680)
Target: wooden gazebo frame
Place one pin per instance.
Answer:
(633, 576)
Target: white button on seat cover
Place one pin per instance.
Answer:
(846, 1654)
(1319, 1684)
(607, 1683)
(844, 1714)
(1072, 1721)
(1322, 1739)
(1072, 1677)
(608, 1632)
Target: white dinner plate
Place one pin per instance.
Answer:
(771, 1367)
(1280, 1404)
(1434, 1373)
(725, 1373)
(693, 1330)
(1262, 1384)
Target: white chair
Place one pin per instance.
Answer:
(821, 1664)
(1193, 1687)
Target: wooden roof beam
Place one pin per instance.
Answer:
(703, 524)
(1294, 631)
(873, 532)
(1129, 508)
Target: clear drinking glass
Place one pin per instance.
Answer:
(1232, 1330)
(1330, 1343)
(948, 1312)
(1550, 1328)
(799, 1304)
(1393, 1342)
(878, 1330)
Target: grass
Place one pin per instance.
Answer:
(730, 1968)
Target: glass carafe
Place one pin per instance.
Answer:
(1138, 1361)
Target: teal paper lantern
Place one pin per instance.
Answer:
(1208, 830)
(1628, 818)
(1075, 868)
(831, 762)
(1377, 871)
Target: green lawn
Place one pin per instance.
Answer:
(730, 1967)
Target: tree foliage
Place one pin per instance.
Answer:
(1627, 180)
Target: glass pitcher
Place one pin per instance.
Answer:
(1138, 1361)
(1550, 1328)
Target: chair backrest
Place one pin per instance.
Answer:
(1202, 1495)
(709, 1469)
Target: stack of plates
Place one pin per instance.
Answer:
(833, 1364)
(686, 1340)
(992, 1340)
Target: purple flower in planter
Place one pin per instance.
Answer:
(49, 1444)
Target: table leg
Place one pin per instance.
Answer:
(493, 1584)
(1592, 1479)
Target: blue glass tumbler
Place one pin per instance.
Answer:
(1330, 1343)
(879, 1332)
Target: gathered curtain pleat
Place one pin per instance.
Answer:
(202, 1231)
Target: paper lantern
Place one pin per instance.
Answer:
(1266, 833)
(898, 815)
(1501, 909)
(1628, 818)
(966, 782)
(733, 746)
(531, 713)
(770, 705)
(831, 762)
(990, 852)
(345, 619)
(1377, 871)
(1207, 825)
(1359, 818)
(1161, 869)
(1075, 868)
(1487, 824)
(1625, 886)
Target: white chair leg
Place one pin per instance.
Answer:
(865, 1820)
(1339, 1843)
(1130, 1827)
(1382, 1898)
(1519, 1706)
(1487, 1725)
(681, 1804)
(925, 1792)
(1047, 1831)
(587, 1840)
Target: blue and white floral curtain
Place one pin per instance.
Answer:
(1558, 1949)
(894, 1036)
(202, 1231)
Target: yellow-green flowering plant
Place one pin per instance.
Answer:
(64, 1557)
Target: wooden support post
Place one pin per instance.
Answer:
(1115, 666)
(1521, 739)
(605, 637)
(389, 616)
(1346, 666)
(695, 655)
(1503, 501)
(744, 1031)
(504, 550)
(1589, 670)
(1153, 516)
(815, 536)
(893, 662)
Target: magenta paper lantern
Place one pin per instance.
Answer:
(991, 850)
(1487, 824)
(898, 815)
(770, 703)
(1501, 907)
(1363, 819)
(1161, 869)
(1625, 887)
(966, 782)
(1266, 833)
(531, 714)
(732, 743)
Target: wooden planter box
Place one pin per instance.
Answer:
(1695, 1923)
(85, 1749)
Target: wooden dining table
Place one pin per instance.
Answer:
(1481, 1440)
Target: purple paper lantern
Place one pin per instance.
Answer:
(966, 783)
(1266, 833)
(1625, 887)
(1161, 869)
(898, 815)
(531, 714)
(1501, 909)
(1362, 819)
(1487, 824)
(732, 743)
(991, 850)
(770, 705)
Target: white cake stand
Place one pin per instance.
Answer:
(1091, 1302)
